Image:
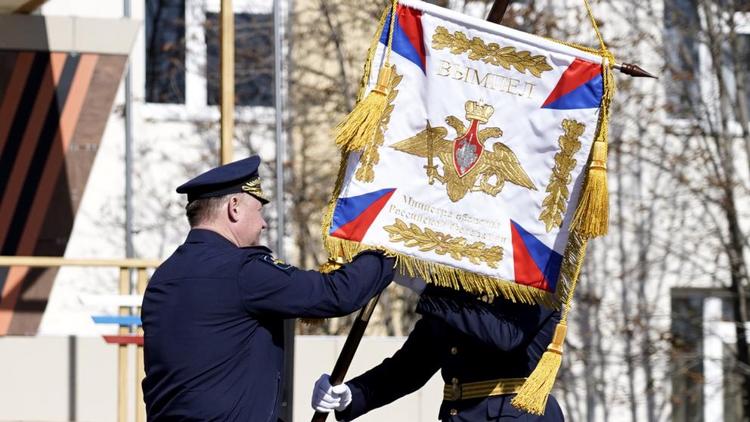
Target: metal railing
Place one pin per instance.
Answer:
(125, 266)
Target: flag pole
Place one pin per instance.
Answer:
(498, 11)
(350, 347)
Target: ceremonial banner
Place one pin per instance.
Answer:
(475, 171)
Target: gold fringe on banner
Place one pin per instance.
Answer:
(447, 276)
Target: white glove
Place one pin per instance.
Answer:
(414, 283)
(327, 398)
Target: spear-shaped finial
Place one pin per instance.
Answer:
(634, 70)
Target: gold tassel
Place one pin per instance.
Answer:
(359, 127)
(592, 215)
(532, 397)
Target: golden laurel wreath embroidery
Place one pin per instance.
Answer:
(468, 166)
(492, 53)
(370, 156)
(553, 206)
(457, 247)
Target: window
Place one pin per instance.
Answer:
(691, 28)
(735, 62)
(706, 382)
(682, 26)
(165, 51)
(254, 64)
(686, 359)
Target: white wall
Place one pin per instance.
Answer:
(36, 376)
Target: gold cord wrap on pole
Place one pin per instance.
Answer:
(358, 128)
(558, 339)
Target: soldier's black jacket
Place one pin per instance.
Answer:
(213, 324)
(468, 340)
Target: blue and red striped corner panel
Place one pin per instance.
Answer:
(407, 35)
(534, 263)
(580, 86)
(353, 216)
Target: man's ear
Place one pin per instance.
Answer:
(233, 208)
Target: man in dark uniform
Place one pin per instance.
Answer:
(485, 352)
(213, 312)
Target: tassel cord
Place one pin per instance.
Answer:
(358, 128)
(568, 301)
(389, 47)
(370, 55)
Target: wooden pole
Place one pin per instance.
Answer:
(122, 353)
(350, 347)
(140, 373)
(498, 11)
(226, 27)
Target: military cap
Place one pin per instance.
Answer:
(236, 177)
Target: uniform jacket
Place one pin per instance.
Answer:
(468, 340)
(213, 325)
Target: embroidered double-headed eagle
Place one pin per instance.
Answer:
(467, 165)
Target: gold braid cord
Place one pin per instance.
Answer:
(492, 53)
(430, 240)
(370, 156)
(553, 206)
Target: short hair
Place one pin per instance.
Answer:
(199, 211)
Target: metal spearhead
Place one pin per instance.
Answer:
(634, 70)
